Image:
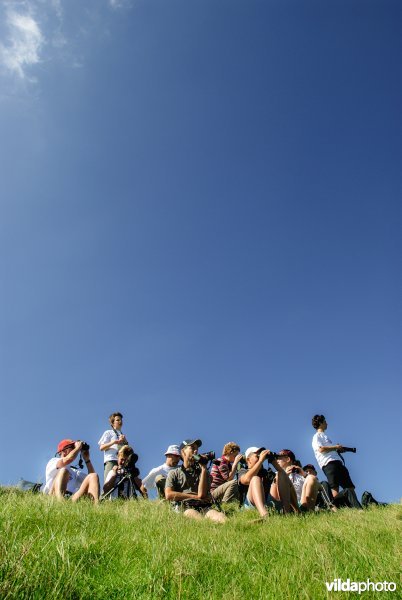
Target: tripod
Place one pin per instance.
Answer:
(126, 482)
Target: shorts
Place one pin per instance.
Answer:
(337, 475)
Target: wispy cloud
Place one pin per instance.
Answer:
(24, 43)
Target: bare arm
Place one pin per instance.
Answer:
(64, 461)
(255, 469)
(170, 494)
(324, 449)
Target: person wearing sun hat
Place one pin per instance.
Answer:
(156, 478)
(62, 478)
(188, 486)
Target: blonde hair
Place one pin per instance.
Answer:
(230, 448)
(125, 451)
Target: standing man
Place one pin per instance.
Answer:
(62, 477)
(224, 486)
(328, 458)
(110, 442)
(156, 478)
(188, 485)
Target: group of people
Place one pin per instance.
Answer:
(201, 484)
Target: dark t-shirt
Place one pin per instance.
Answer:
(186, 481)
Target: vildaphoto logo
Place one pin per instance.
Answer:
(337, 585)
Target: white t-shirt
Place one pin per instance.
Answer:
(298, 482)
(149, 480)
(108, 436)
(74, 483)
(323, 458)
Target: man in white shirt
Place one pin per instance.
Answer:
(62, 478)
(328, 457)
(156, 478)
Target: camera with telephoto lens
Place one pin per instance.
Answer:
(204, 458)
(347, 449)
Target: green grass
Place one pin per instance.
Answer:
(144, 550)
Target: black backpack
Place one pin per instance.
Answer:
(368, 498)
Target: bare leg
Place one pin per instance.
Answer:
(60, 484)
(309, 492)
(216, 516)
(89, 487)
(192, 514)
(256, 495)
(283, 490)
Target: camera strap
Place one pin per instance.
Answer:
(341, 457)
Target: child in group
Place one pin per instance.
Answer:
(110, 442)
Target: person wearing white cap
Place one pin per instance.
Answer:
(156, 478)
(258, 483)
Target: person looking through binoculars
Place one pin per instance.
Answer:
(188, 486)
(110, 442)
(62, 478)
(123, 479)
(306, 485)
(263, 486)
(224, 485)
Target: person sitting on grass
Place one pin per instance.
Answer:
(306, 486)
(125, 468)
(62, 478)
(224, 485)
(156, 478)
(188, 486)
(263, 487)
(110, 442)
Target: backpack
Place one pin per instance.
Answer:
(28, 486)
(368, 498)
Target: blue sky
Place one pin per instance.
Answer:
(201, 226)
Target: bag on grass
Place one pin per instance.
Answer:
(28, 486)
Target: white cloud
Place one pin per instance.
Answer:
(24, 43)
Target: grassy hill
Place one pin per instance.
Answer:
(144, 550)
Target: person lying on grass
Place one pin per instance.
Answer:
(306, 486)
(62, 478)
(263, 487)
(188, 486)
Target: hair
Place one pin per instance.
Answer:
(113, 416)
(317, 420)
(289, 454)
(230, 447)
(125, 451)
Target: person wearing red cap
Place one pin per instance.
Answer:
(62, 478)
